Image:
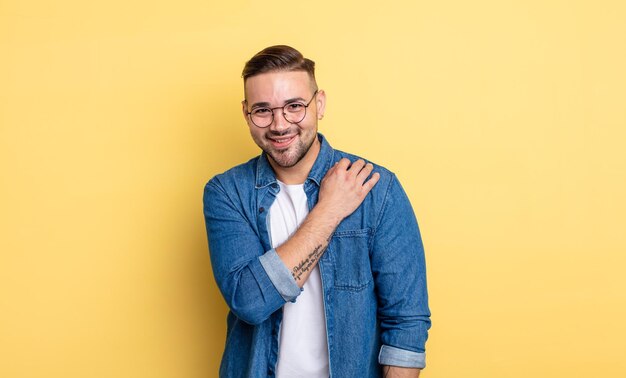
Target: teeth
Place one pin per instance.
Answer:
(281, 140)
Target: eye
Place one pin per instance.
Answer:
(261, 112)
(294, 107)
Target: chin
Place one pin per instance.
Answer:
(285, 161)
(290, 156)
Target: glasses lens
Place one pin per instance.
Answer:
(295, 112)
(262, 117)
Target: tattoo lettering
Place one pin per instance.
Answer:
(306, 264)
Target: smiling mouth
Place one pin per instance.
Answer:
(282, 141)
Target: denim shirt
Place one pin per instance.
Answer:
(373, 273)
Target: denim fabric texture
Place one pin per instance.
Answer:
(373, 273)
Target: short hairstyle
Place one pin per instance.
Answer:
(278, 58)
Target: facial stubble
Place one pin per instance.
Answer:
(281, 157)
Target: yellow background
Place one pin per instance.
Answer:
(505, 121)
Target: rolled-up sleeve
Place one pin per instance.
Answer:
(399, 270)
(254, 282)
(280, 276)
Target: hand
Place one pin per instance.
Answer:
(344, 188)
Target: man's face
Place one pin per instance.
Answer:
(285, 143)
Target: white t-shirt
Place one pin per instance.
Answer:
(302, 345)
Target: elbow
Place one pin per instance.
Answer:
(251, 297)
(249, 313)
(249, 304)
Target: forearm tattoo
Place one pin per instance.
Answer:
(308, 263)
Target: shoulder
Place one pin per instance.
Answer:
(240, 175)
(387, 177)
(384, 192)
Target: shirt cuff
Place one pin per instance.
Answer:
(280, 276)
(393, 356)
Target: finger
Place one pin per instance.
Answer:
(343, 164)
(331, 169)
(369, 184)
(356, 167)
(365, 172)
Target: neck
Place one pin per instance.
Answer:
(298, 173)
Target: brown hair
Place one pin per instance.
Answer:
(278, 58)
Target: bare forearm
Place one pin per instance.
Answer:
(400, 372)
(307, 245)
(342, 190)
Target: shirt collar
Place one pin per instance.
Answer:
(265, 174)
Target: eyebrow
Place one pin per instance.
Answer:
(267, 104)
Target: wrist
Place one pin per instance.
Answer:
(328, 213)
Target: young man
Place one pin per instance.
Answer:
(316, 252)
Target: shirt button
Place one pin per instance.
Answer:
(261, 209)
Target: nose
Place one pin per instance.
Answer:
(279, 122)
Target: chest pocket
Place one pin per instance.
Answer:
(350, 255)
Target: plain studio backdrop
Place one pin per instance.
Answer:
(504, 120)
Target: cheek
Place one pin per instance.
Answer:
(254, 133)
(253, 129)
(310, 126)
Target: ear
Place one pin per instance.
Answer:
(320, 102)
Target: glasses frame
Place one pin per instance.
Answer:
(284, 112)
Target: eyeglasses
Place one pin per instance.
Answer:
(294, 112)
